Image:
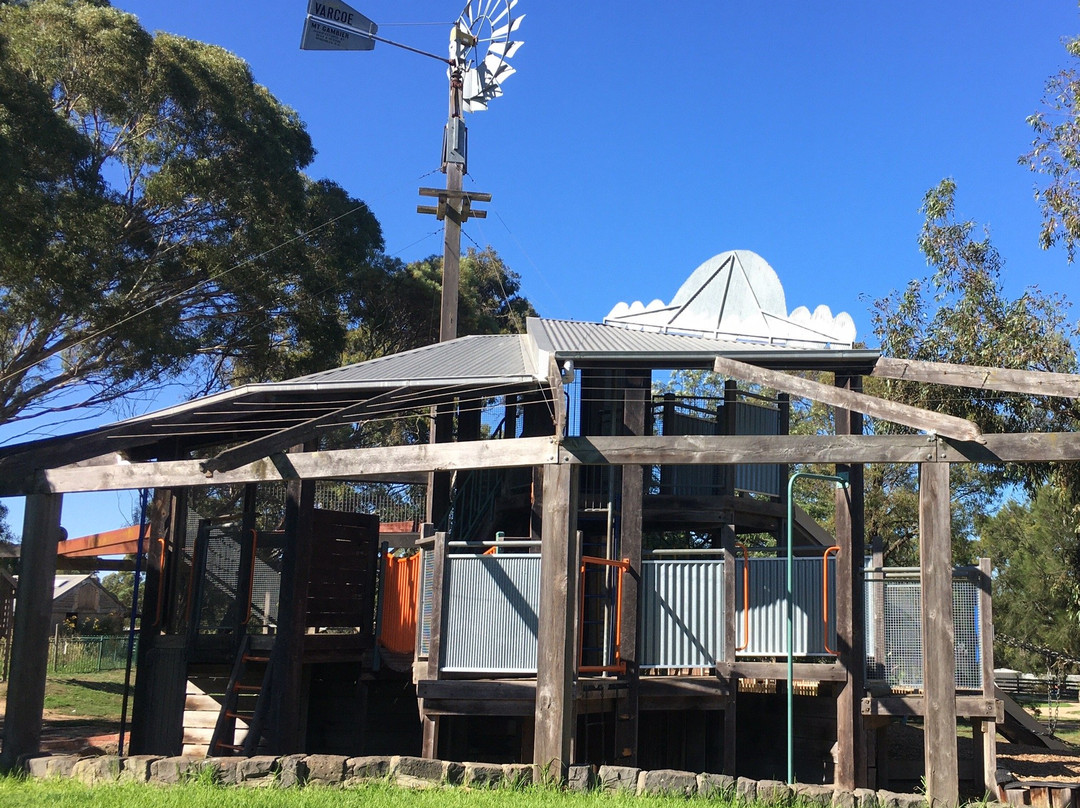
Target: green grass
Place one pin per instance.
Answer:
(17, 793)
(83, 695)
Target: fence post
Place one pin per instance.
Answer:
(56, 648)
(100, 649)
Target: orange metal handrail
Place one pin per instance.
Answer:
(251, 576)
(161, 585)
(825, 595)
(746, 597)
(622, 567)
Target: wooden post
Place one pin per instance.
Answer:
(850, 607)
(986, 647)
(731, 642)
(30, 641)
(157, 714)
(430, 747)
(451, 268)
(555, 641)
(939, 661)
(287, 697)
(630, 513)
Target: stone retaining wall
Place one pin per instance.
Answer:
(413, 772)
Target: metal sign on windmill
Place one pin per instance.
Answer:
(332, 25)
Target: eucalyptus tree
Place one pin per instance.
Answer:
(154, 218)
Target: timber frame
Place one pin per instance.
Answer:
(131, 456)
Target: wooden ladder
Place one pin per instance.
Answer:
(246, 699)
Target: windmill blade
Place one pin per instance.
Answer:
(471, 84)
(498, 17)
(506, 50)
(497, 69)
(509, 28)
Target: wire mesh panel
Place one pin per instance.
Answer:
(767, 601)
(218, 607)
(682, 613)
(492, 613)
(755, 419)
(894, 632)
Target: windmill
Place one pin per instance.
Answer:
(479, 62)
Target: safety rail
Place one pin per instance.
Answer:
(617, 665)
(746, 596)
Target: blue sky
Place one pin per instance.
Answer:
(637, 140)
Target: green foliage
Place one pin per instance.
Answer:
(153, 217)
(1035, 547)
(405, 306)
(121, 585)
(960, 314)
(1055, 154)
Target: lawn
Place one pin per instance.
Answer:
(85, 695)
(16, 793)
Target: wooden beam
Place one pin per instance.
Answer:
(348, 464)
(30, 640)
(555, 639)
(282, 439)
(1004, 380)
(394, 462)
(802, 671)
(893, 411)
(939, 661)
(967, 706)
(763, 449)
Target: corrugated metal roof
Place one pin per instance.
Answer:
(569, 339)
(564, 337)
(482, 358)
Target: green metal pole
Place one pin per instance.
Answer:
(842, 481)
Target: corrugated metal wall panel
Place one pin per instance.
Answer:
(768, 613)
(427, 587)
(682, 613)
(492, 613)
(752, 419)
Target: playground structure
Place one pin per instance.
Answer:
(582, 595)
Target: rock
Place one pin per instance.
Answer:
(94, 770)
(483, 775)
(746, 789)
(580, 778)
(711, 785)
(773, 792)
(866, 798)
(415, 772)
(519, 774)
(667, 782)
(226, 769)
(136, 768)
(327, 770)
(843, 799)
(812, 795)
(173, 770)
(366, 768)
(292, 771)
(259, 770)
(618, 778)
